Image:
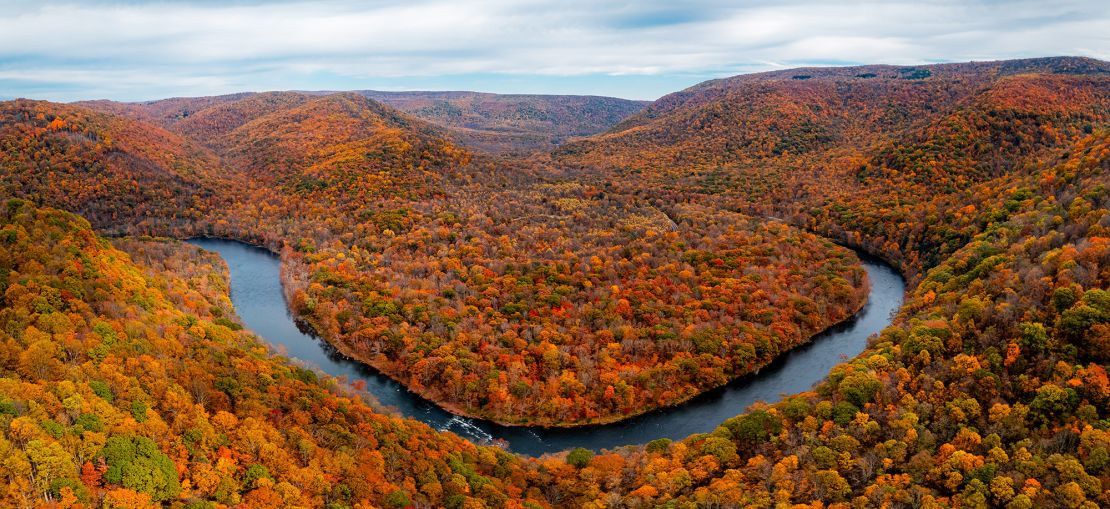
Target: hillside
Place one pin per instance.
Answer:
(780, 143)
(128, 385)
(765, 123)
(163, 112)
(120, 173)
(323, 140)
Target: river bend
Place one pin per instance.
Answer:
(257, 295)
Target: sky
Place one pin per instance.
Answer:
(138, 50)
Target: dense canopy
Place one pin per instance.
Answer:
(688, 245)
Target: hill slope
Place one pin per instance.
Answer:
(118, 172)
(784, 114)
(779, 143)
(128, 385)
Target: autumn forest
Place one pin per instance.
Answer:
(565, 262)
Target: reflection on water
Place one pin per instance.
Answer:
(259, 300)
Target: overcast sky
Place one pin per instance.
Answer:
(135, 50)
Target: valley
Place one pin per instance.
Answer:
(634, 300)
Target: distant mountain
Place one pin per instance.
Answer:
(294, 136)
(488, 122)
(208, 119)
(754, 117)
(164, 112)
(513, 122)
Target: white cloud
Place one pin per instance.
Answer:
(117, 49)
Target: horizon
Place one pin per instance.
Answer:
(137, 51)
(538, 94)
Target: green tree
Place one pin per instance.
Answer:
(397, 499)
(580, 457)
(754, 428)
(1054, 402)
(254, 473)
(831, 486)
(859, 388)
(136, 463)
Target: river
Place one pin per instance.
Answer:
(258, 298)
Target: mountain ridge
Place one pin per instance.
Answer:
(486, 121)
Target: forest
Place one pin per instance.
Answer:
(691, 243)
(575, 304)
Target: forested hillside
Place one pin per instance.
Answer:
(885, 138)
(128, 385)
(112, 170)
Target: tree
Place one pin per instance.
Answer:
(579, 457)
(858, 388)
(753, 428)
(135, 463)
(51, 464)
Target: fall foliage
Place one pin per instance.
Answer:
(510, 293)
(688, 245)
(125, 386)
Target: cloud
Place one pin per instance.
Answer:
(133, 50)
